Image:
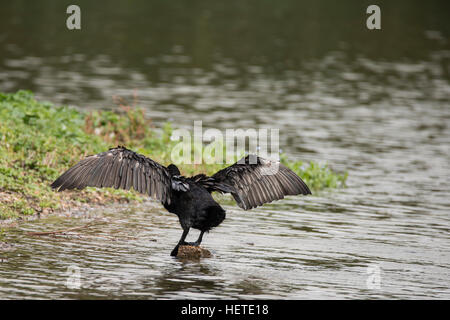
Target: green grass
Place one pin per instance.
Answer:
(39, 141)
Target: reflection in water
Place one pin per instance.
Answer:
(183, 279)
(366, 102)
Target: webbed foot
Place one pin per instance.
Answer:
(193, 244)
(174, 252)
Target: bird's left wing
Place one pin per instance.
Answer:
(118, 168)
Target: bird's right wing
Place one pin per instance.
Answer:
(118, 168)
(256, 181)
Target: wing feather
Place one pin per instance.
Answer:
(257, 182)
(118, 168)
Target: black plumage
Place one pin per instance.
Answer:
(252, 181)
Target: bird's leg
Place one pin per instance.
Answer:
(199, 240)
(180, 242)
(196, 243)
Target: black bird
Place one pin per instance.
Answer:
(252, 181)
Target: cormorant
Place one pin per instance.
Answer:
(252, 181)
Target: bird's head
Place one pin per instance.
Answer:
(173, 170)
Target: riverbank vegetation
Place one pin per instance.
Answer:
(39, 141)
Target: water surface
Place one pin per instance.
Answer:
(373, 104)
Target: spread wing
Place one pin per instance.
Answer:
(118, 168)
(257, 181)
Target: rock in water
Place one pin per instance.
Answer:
(191, 252)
